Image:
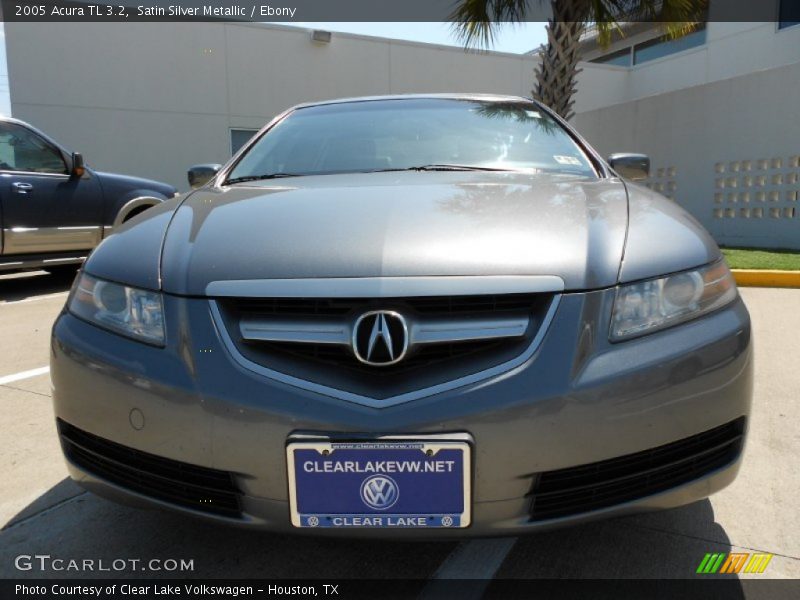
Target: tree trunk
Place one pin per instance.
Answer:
(555, 75)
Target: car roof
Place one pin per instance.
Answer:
(443, 96)
(7, 119)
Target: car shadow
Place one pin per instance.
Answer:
(661, 545)
(29, 284)
(71, 524)
(68, 523)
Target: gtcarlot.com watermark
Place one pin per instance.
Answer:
(46, 562)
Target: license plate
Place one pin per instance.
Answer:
(383, 484)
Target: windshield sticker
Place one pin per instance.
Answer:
(567, 160)
(533, 114)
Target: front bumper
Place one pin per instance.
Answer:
(578, 400)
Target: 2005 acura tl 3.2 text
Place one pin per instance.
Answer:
(421, 315)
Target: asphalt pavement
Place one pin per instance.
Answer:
(42, 512)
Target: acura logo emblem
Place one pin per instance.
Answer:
(380, 338)
(379, 492)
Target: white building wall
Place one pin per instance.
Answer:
(150, 99)
(728, 151)
(731, 50)
(720, 123)
(601, 85)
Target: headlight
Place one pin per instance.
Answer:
(648, 306)
(135, 313)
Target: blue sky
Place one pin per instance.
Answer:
(5, 100)
(516, 39)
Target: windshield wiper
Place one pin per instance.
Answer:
(440, 167)
(432, 167)
(260, 177)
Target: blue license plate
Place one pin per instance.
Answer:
(383, 484)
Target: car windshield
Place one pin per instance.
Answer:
(413, 134)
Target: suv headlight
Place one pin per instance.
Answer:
(132, 312)
(648, 306)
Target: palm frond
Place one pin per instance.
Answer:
(676, 18)
(476, 22)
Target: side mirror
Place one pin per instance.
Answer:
(78, 167)
(630, 166)
(199, 175)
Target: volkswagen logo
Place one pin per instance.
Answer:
(380, 338)
(379, 492)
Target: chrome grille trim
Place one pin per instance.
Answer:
(386, 287)
(300, 332)
(437, 331)
(451, 330)
(332, 392)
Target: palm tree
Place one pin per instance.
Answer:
(476, 22)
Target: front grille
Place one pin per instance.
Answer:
(172, 481)
(342, 358)
(425, 365)
(607, 483)
(427, 305)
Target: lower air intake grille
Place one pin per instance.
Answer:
(610, 482)
(182, 484)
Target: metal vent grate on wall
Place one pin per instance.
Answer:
(760, 188)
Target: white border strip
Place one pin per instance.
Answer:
(34, 298)
(24, 375)
(476, 559)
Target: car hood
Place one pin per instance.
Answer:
(116, 180)
(399, 224)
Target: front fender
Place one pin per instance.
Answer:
(132, 254)
(662, 238)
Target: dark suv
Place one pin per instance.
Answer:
(54, 209)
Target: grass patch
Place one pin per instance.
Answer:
(751, 258)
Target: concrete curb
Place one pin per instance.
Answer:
(766, 278)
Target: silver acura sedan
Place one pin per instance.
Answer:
(386, 315)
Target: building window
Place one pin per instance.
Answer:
(239, 137)
(659, 47)
(653, 49)
(788, 13)
(620, 58)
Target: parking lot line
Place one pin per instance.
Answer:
(475, 559)
(34, 298)
(24, 375)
